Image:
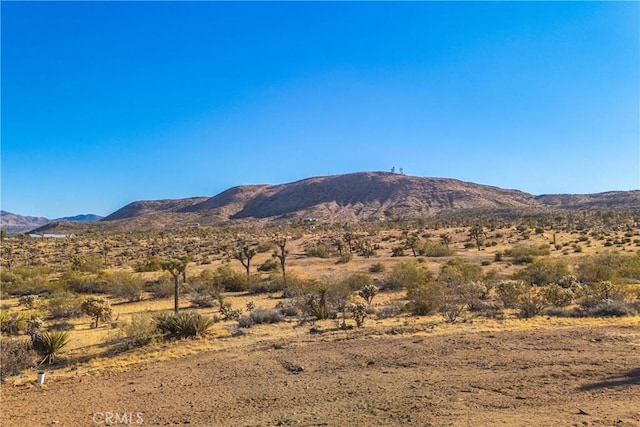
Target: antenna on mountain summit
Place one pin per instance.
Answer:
(393, 169)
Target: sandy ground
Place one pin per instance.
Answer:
(362, 378)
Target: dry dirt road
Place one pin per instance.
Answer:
(510, 378)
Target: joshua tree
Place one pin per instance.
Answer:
(244, 255)
(176, 267)
(281, 253)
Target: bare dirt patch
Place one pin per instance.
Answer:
(572, 375)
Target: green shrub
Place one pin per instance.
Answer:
(122, 284)
(522, 254)
(204, 289)
(49, 344)
(543, 271)
(163, 287)
(231, 280)
(83, 283)
(424, 297)
(436, 249)
(405, 274)
(152, 264)
(186, 324)
(319, 250)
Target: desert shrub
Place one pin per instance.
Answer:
(269, 265)
(25, 281)
(560, 312)
(436, 249)
(359, 313)
(163, 287)
(368, 292)
(152, 264)
(599, 268)
(377, 267)
(344, 258)
(397, 251)
(86, 264)
(99, 309)
(594, 294)
(510, 292)
(319, 250)
(141, 330)
(14, 323)
(557, 295)
(263, 315)
(543, 271)
(231, 280)
(610, 308)
(424, 297)
(186, 324)
(16, 355)
(630, 266)
(289, 309)
(405, 274)
(62, 326)
(390, 310)
(204, 289)
(274, 283)
(28, 301)
(522, 254)
(529, 305)
(357, 281)
(229, 313)
(122, 284)
(569, 281)
(83, 283)
(63, 305)
(49, 344)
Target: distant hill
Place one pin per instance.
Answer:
(14, 223)
(346, 198)
(356, 196)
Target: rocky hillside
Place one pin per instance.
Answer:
(349, 197)
(356, 196)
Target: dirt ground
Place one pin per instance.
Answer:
(566, 376)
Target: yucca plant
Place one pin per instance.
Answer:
(49, 344)
(190, 324)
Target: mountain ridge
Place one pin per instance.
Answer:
(348, 198)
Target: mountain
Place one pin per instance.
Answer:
(346, 198)
(80, 218)
(13, 223)
(353, 197)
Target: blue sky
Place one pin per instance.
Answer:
(109, 102)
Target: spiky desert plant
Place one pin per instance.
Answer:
(49, 344)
